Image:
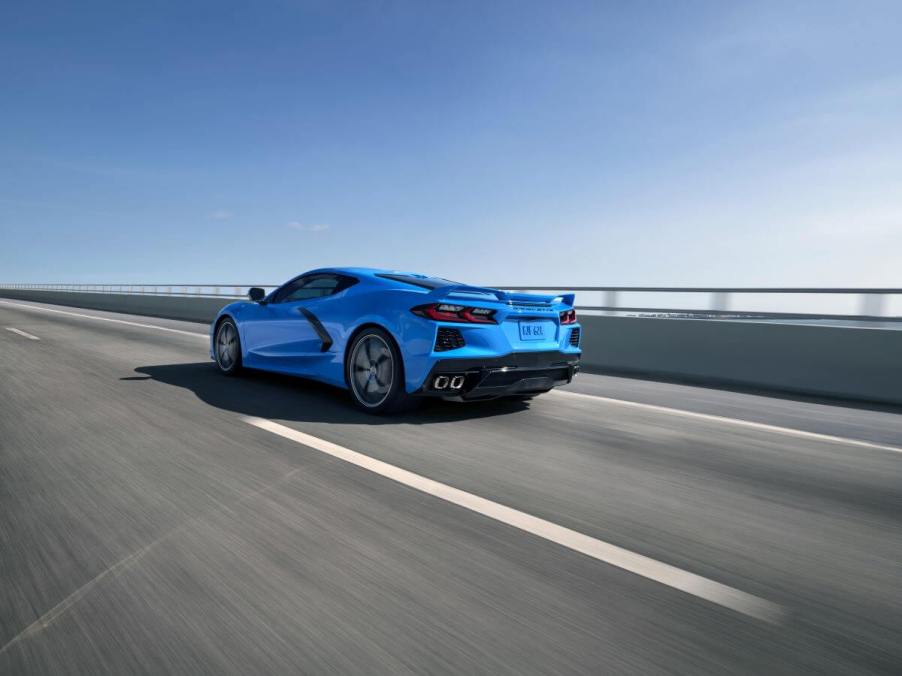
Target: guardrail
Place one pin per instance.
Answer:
(873, 304)
(194, 290)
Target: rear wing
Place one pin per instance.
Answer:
(445, 291)
(503, 296)
(565, 298)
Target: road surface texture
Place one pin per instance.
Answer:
(156, 517)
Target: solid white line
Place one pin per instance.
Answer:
(22, 333)
(734, 421)
(107, 319)
(638, 564)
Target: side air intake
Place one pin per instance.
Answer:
(448, 339)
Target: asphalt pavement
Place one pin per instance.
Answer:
(157, 517)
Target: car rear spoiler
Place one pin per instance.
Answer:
(503, 296)
(445, 291)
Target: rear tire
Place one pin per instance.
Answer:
(374, 371)
(227, 348)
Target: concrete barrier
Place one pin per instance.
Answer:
(849, 363)
(187, 308)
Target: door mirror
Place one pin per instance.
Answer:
(256, 294)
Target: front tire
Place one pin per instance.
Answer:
(375, 373)
(227, 348)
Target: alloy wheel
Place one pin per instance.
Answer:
(372, 370)
(226, 346)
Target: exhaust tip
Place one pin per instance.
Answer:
(457, 382)
(440, 382)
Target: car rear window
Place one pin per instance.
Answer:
(418, 280)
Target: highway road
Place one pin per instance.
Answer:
(156, 517)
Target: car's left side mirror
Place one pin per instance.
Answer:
(256, 294)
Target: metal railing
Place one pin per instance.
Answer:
(720, 302)
(195, 290)
(871, 304)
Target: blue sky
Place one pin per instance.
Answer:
(559, 142)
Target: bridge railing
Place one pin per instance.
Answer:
(787, 303)
(772, 303)
(193, 290)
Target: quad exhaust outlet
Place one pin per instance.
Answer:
(448, 382)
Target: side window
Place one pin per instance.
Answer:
(313, 287)
(281, 294)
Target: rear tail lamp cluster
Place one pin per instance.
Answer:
(568, 317)
(443, 312)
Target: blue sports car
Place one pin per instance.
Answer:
(393, 337)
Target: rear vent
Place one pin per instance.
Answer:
(574, 337)
(448, 339)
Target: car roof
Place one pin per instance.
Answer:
(371, 272)
(366, 272)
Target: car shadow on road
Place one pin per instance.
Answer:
(270, 395)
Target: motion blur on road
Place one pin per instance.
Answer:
(709, 192)
(152, 522)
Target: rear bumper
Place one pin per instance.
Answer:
(515, 373)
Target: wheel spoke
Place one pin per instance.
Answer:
(383, 375)
(360, 359)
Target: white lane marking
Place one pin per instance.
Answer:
(734, 421)
(665, 574)
(107, 319)
(22, 333)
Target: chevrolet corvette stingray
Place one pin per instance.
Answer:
(390, 337)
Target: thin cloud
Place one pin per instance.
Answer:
(219, 215)
(308, 227)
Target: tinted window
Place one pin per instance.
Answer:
(424, 282)
(313, 286)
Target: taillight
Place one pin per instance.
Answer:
(568, 317)
(444, 312)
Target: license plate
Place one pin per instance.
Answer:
(532, 331)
